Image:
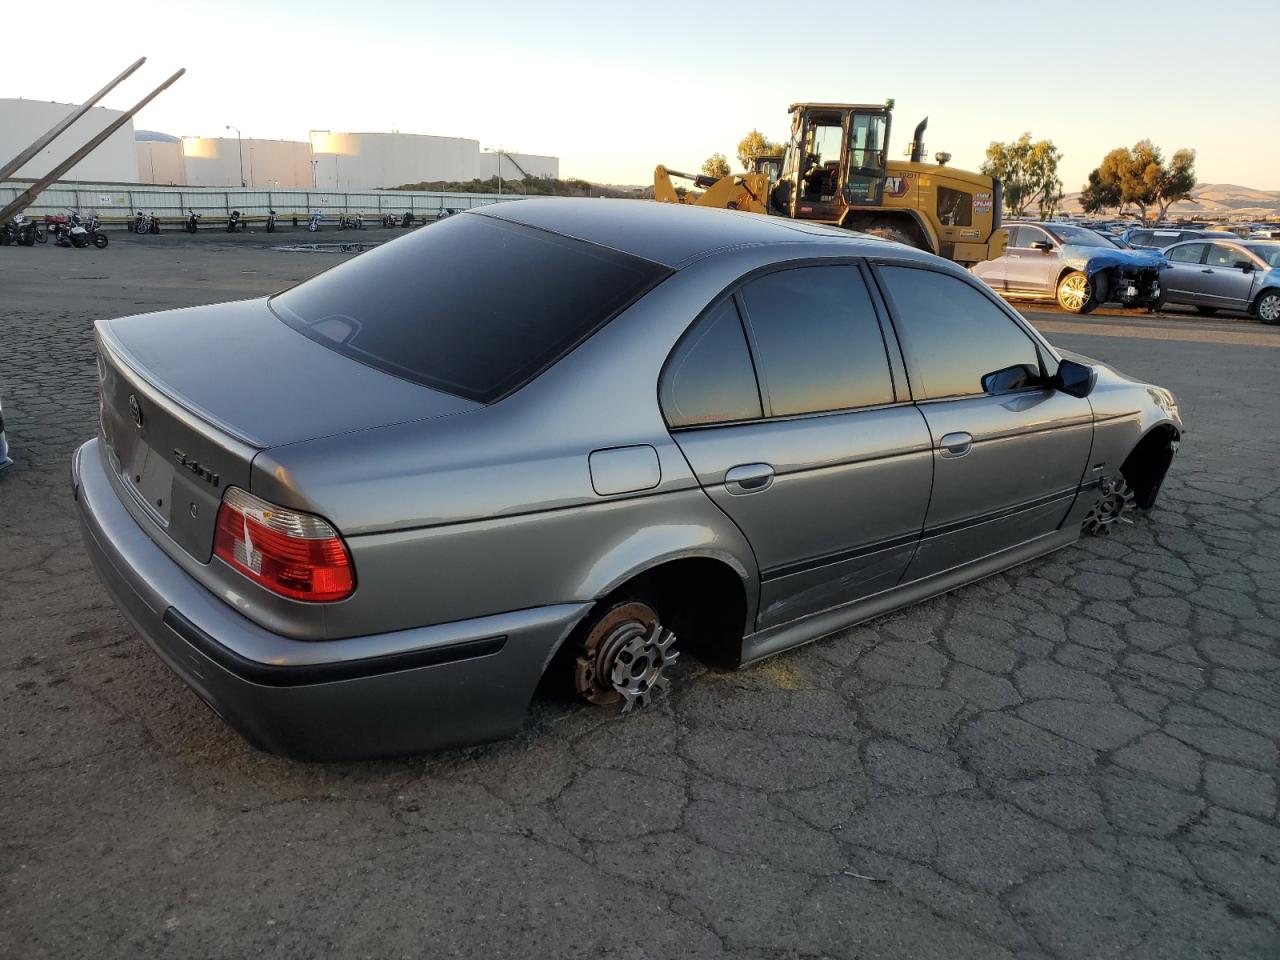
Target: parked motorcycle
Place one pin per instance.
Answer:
(141, 223)
(350, 222)
(193, 221)
(314, 223)
(80, 233)
(271, 221)
(20, 231)
(153, 223)
(388, 220)
(407, 220)
(233, 221)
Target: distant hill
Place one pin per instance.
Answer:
(1214, 200)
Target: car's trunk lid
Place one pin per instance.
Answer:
(190, 397)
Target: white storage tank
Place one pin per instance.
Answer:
(230, 161)
(23, 121)
(160, 159)
(365, 161)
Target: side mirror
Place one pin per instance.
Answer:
(1044, 246)
(1075, 378)
(1016, 377)
(1244, 265)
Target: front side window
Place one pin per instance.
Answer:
(1221, 255)
(1029, 235)
(951, 334)
(475, 305)
(955, 207)
(816, 340)
(709, 378)
(1186, 253)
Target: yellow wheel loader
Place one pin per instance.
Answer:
(836, 170)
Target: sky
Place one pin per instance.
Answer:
(615, 88)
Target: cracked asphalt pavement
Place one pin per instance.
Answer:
(1077, 758)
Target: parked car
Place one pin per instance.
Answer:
(5, 461)
(1226, 275)
(369, 514)
(1158, 239)
(1078, 267)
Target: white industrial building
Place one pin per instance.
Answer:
(23, 121)
(516, 166)
(341, 162)
(232, 161)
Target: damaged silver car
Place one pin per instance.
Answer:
(562, 438)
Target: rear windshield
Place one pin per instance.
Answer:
(474, 305)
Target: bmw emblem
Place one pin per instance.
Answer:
(136, 410)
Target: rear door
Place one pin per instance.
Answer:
(819, 460)
(994, 272)
(1182, 281)
(1007, 466)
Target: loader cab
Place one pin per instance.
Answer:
(769, 166)
(836, 159)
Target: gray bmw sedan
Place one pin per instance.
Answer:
(368, 515)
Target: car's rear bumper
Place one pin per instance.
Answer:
(424, 689)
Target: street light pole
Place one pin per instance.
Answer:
(240, 144)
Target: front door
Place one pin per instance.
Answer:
(823, 469)
(1228, 275)
(1030, 269)
(821, 147)
(1007, 466)
(866, 159)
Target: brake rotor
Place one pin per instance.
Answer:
(624, 657)
(1114, 501)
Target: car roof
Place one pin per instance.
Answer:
(672, 234)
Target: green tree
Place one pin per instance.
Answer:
(1029, 171)
(1138, 175)
(756, 144)
(1099, 196)
(716, 166)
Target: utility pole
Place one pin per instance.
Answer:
(240, 144)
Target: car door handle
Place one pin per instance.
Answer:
(1206, 270)
(955, 445)
(748, 478)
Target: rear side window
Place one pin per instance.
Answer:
(951, 334)
(816, 341)
(955, 207)
(709, 378)
(1140, 238)
(474, 305)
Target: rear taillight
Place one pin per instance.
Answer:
(290, 553)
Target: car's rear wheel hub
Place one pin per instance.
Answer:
(624, 658)
(1114, 500)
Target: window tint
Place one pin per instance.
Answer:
(1186, 253)
(474, 305)
(951, 334)
(955, 207)
(1029, 235)
(817, 341)
(1140, 238)
(709, 378)
(1220, 255)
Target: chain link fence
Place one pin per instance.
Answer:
(117, 203)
